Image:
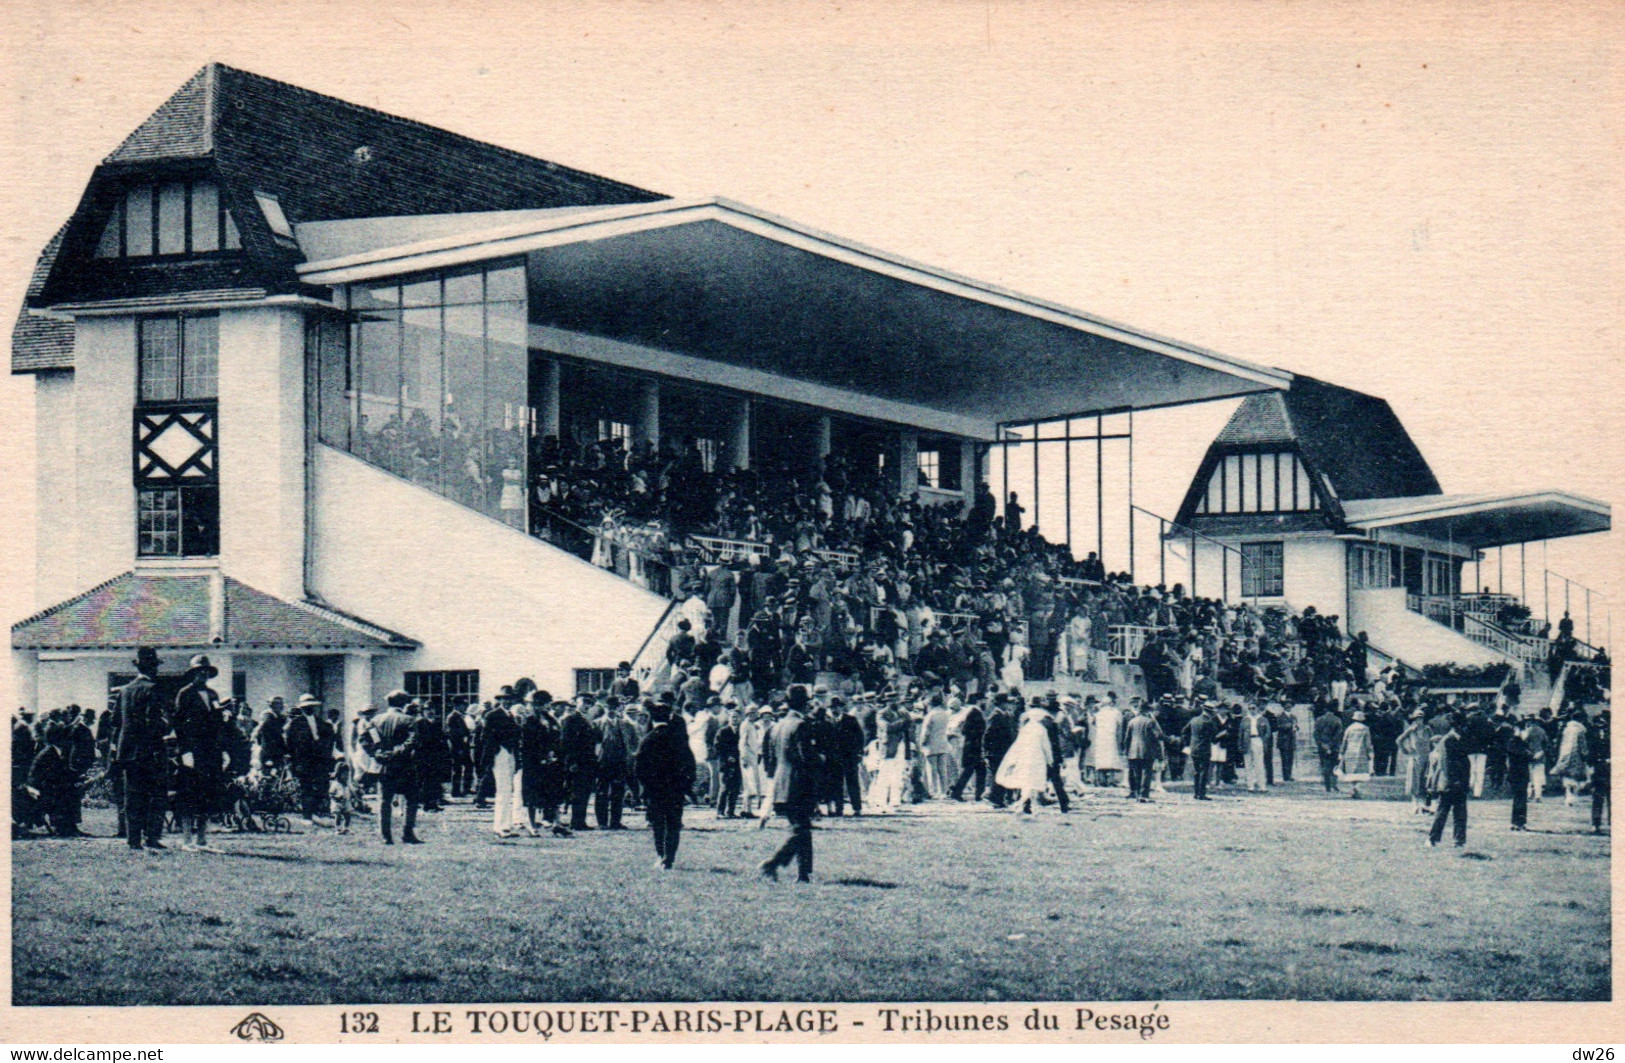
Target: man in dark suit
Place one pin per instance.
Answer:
(617, 742)
(665, 771)
(1600, 753)
(1142, 741)
(1057, 752)
(1200, 734)
(1517, 754)
(1329, 744)
(1001, 734)
(270, 743)
(200, 778)
(1455, 778)
(578, 750)
(81, 758)
(972, 729)
(795, 786)
(391, 738)
(309, 741)
(141, 757)
(847, 758)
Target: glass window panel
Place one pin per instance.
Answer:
(1266, 483)
(1232, 484)
(172, 218)
(111, 244)
(465, 287)
(927, 462)
(1215, 487)
(506, 391)
(200, 521)
(201, 364)
(234, 239)
(1249, 483)
(160, 359)
(1306, 494)
(205, 217)
(420, 394)
(463, 407)
(138, 227)
(375, 296)
(379, 357)
(421, 293)
(158, 522)
(331, 338)
(1283, 480)
(505, 285)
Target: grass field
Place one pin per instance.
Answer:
(1289, 895)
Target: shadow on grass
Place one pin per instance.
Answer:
(299, 858)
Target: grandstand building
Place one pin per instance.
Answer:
(1315, 496)
(292, 356)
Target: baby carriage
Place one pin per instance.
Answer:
(257, 804)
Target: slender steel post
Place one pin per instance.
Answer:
(1100, 490)
(1004, 465)
(1131, 572)
(1500, 569)
(1192, 590)
(1588, 617)
(1523, 573)
(1068, 446)
(1035, 476)
(1162, 550)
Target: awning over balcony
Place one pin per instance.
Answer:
(1484, 521)
(719, 281)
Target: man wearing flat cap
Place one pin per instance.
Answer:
(141, 753)
(200, 779)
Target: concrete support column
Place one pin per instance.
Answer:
(547, 417)
(908, 461)
(221, 684)
(25, 679)
(649, 412)
(357, 691)
(739, 436)
(967, 470)
(825, 434)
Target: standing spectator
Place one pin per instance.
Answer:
(50, 781)
(1516, 753)
(1417, 745)
(972, 730)
(309, 742)
(1001, 734)
(539, 773)
(434, 760)
(81, 750)
(1600, 749)
(391, 739)
(617, 742)
(795, 786)
(665, 771)
(141, 757)
(1200, 735)
(1354, 758)
(501, 753)
(1451, 782)
(578, 748)
(200, 778)
(1573, 756)
(1285, 726)
(270, 743)
(726, 746)
(1143, 742)
(1329, 745)
(934, 742)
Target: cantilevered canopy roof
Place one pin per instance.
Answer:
(1484, 521)
(730, 284)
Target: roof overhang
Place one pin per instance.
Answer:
(717, 280)
(1484, 521)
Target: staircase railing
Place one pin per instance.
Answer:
(1530, 652)
(592, 545)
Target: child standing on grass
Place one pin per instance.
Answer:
(340, 797)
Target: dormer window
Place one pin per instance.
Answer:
(1258, 482)
(173, 218)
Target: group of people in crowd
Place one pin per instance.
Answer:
(875, 653)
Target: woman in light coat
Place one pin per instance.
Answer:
(1571, 757)
(1026, 764)
(1414, 742)
(1354, 766)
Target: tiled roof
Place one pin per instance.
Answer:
(324, 159)
(39, 342)
(185, 610)
(1259, 419)
(1351, 440)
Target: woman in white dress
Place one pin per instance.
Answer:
(1013, 672)
(1571, 757)
(1025, 768)
(1078, 649)
(1105, 750)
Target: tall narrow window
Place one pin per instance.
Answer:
(1262, 570)
(175, 457)
(171, 218)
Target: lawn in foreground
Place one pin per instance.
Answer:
(1274, 897)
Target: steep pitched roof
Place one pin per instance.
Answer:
(1350, 441)
(322, 158)
(186, 610)
(37, 341)
(1357, 442)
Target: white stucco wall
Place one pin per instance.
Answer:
(474, 592)
(262, 449)
(1413, 638)
(1314, 574)
(81, 681)
(101, 521)
(56, 492)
